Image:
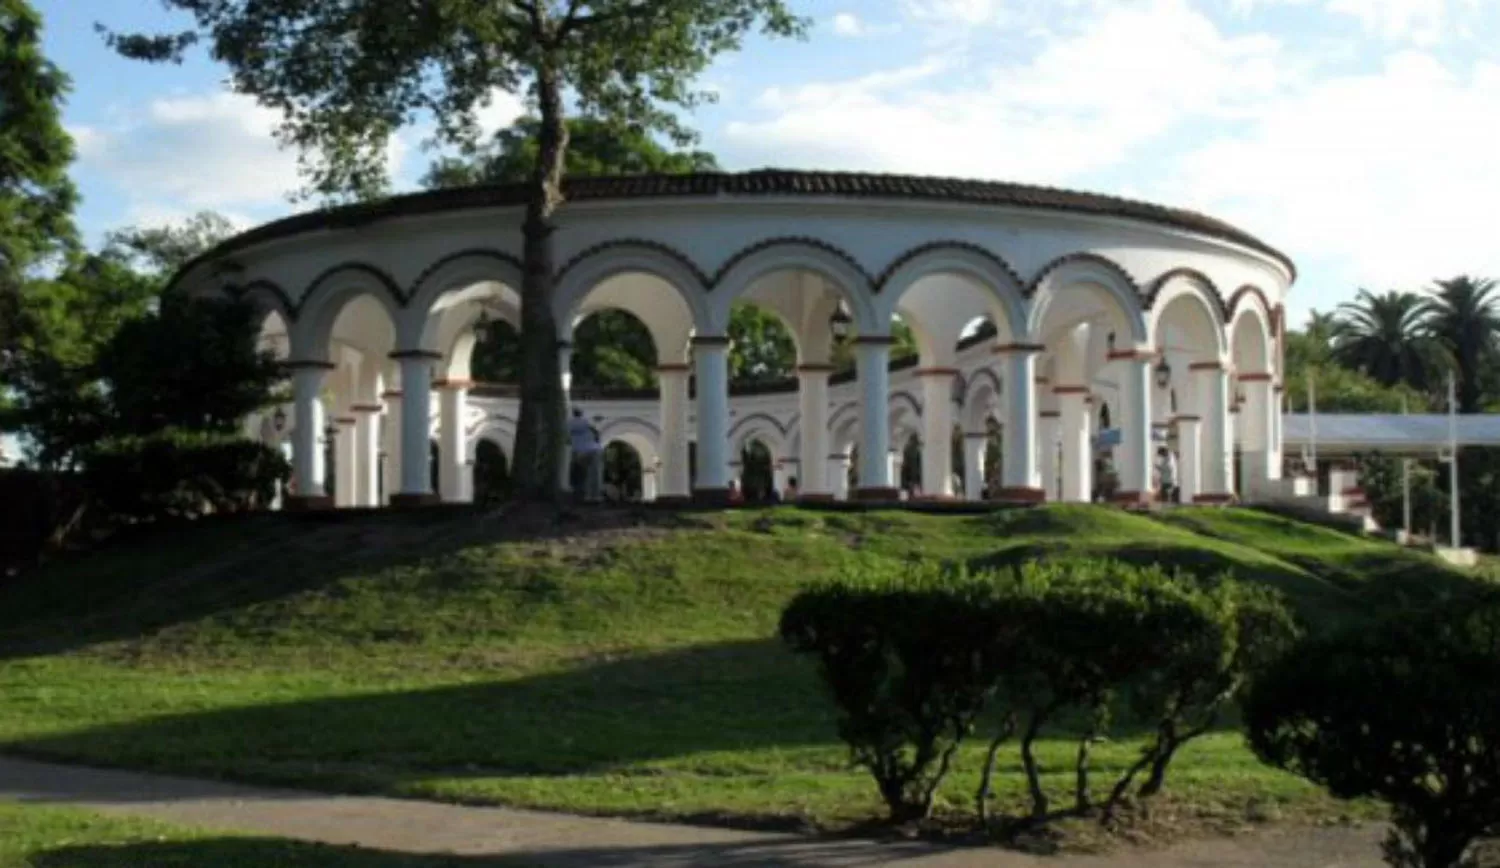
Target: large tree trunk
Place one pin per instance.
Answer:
(541, 429)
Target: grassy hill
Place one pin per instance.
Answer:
(623, 662)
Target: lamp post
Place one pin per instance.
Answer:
(839, 323)
(278, 421)
(1163, 372)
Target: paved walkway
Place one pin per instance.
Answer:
(528, 838)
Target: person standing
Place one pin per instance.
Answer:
(1166, 474)
(587, 465)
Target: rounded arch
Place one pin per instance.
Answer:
(641, 434)
(1188, 303)
(329, 295)
(425, 324)
(763, 427)
(977, 267)
(1054, 301)
(499, 430)
(585, 272)
(266, 297)
(840, 273)
(1250, 341)
(981, 399)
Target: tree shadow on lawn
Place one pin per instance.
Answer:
(230, 852)
(160, 576)
(739, 696)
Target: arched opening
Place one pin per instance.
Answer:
(757, 472)
(612, 349)
(1188, 333)
(762, 349)
(623, 472)
(491, 472)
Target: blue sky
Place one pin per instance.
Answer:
(1360, 136)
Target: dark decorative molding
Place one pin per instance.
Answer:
(1239, 297)
(916, 406)
(639, 243)
(632, 420)
(788, 241)
(261, 287)
(1081, 257)
(742, 423)
(384, 280)
(1153, 289)
(884, 278)
(474, 252)
(983, 374)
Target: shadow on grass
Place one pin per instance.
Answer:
(242, 852)
(157, 577)
(597, 716)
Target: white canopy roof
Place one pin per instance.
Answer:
(1393, 432)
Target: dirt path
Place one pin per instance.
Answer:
(530, 838)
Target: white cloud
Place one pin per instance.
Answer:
(847, 24)
(1391, 174)
(1420, 22)
(969, 12)
(1081, 104)
(499, 111)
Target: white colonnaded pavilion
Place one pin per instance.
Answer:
(1035, 310)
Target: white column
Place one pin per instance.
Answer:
(873, 360)
(897, 463)
(812, 401)
(711, 365)
(937, 431)
(672, 383)
(1257, 419)
(1217, 441)
(648, 484)
(975, 444)
(778, 475)
(1189, 457)
(367, 454)
(1135, 457)
(307, 433)
(565, 452)
(453, 402)
(1075, 431)
(416, 426)
(838, 476)
(1047, 434)
(1019, 477)
(390, 439)
(346, 454)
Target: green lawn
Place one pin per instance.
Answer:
(44, 837)
(625, 665)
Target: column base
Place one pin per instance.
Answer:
(1024, 494)
(879, 494)
(816, 498)
(711, 497)
(672, 500)
(401, 501)
(307, 503)
(938, 498)
(1133, 498)
(1213, 499)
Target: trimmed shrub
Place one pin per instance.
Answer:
(1408, 713)
(177, 474)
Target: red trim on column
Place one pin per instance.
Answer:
(1187, 417)
(1213, 499)
(1130, 355)
(1019, 348)
(346, 420)
(1050, 414)
(366, 408)
(394, 393)
(1255, 377)
(1070, 390)
(875, 340)
(1206, 366)
(672, 368)
(1022, 494)
(398, 355)
(453, 384)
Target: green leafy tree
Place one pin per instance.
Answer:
(761, 348)
(595, 148)
(1407, 712)
(162, 250)
(348, 75)
(1383, 336)
(36, 196)
(1463, 315)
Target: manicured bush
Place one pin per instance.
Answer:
(176, 474)
(1408, 713)
(908, 662)
(912, 662)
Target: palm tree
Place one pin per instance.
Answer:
(1383, 336)
(1463, 316)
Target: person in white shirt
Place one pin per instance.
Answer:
(588, 455)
